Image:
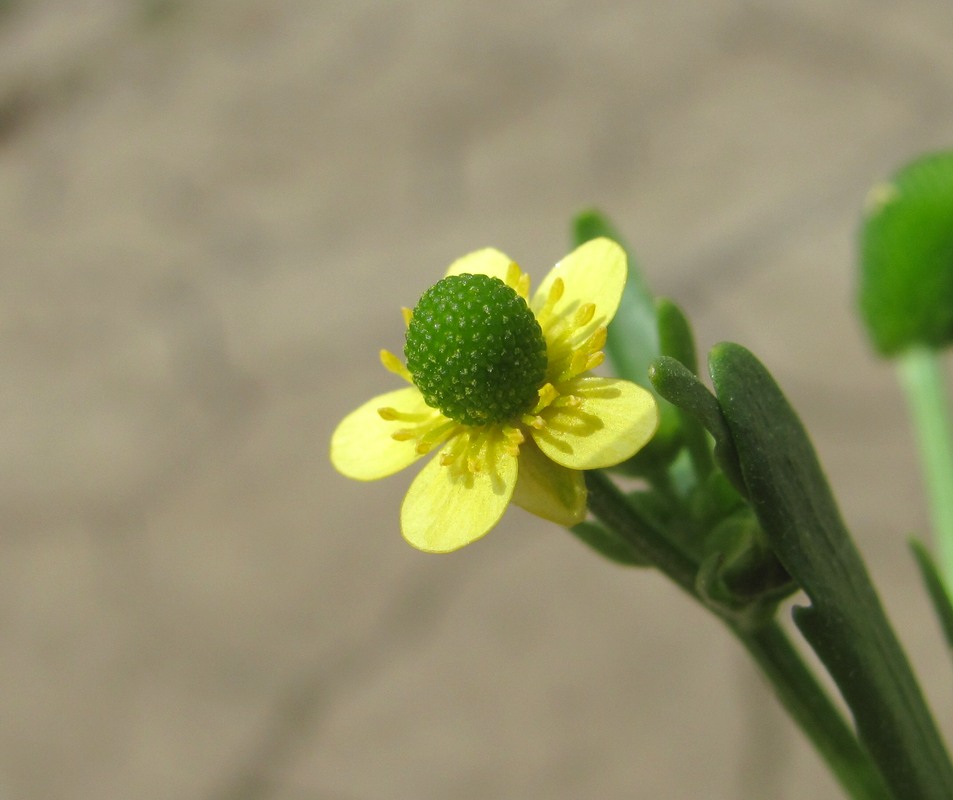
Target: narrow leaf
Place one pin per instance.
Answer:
(845, 623)
(942, 604)
(675, 334)
(677, 384)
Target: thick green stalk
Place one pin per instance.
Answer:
(612, 508)
(795, 685)
(814, 712)
(922, 378)
(845, 623)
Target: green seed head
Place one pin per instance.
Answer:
(475, 350)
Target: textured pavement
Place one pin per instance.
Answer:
(210, 214)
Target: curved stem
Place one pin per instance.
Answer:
(612, 508)
(798, 690)
(815, 713)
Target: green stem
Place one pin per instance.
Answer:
(796, 687)
(814, 712)
(922, 378)
(614, 511)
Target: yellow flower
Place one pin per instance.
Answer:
(501, 441)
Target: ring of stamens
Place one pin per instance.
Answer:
(471, 447)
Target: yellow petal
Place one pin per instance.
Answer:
(361, 445)
(548, 490)
(612, 421)
(594, 272)
(447, 508)
(483, 262)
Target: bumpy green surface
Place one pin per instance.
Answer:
(906, 279)
(475, 350)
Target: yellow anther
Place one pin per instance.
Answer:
(517, 280)
(390, 414)
(393, 364)
(513, 273)
(514, 435)
(514, 438)
(584, 314)
(598, 339)
(408, 314)
(568, 401)
(523, 288)
(533, 421)
(577, 364)
(545, 314)
(594, 360)
(547, 393)
(431, 434)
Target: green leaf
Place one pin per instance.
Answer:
(906, 257)
(677, 384)
(942, 604)
(740, 575)
(675, 334)
(845, 623)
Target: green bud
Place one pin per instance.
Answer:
(906, 279)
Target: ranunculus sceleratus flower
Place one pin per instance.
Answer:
(498, 385)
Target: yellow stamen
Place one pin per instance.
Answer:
(523, 289)
(581, 362)
(423, 447)
(584, 314)
(594, 360)
(435, 433)
(392, 414)
(545, 314)
(517, 280)
(573, 361)
(430, 430)
(514, 435)
(408, 314)
(393, 364)
(447, 458)
(598, 339)
(547, 393)
(568, 401)
(514, 438)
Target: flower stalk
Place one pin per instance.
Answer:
(796, 687)
(922, 377)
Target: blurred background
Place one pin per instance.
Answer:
(210, 215)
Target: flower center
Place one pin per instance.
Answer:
(475, 350)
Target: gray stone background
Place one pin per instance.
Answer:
(210, 214)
